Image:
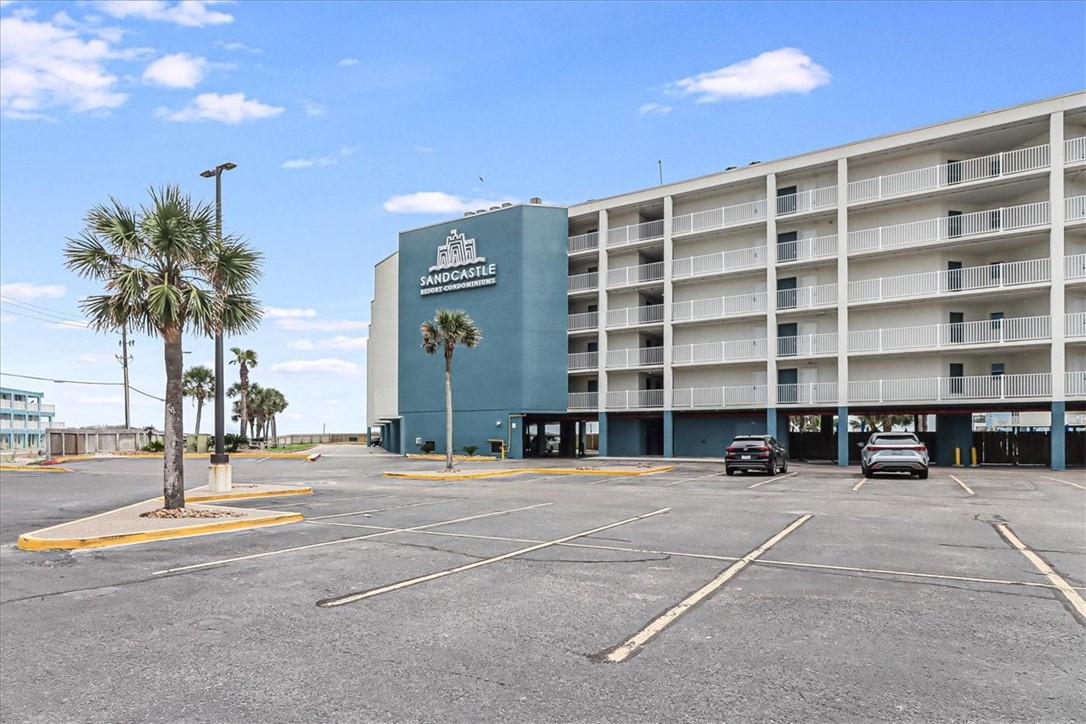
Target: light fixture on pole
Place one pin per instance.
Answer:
(219, 475)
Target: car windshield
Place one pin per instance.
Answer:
(897, 437)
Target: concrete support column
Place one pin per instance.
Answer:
(669, 434)
(601, 328)
(842, 312)
(771, 421)
(603, 434)
(669, 335)
(771, 294)
(1057, 436)
(842, 437)
(1057, 298)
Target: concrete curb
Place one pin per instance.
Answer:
(210, 497)
(459, 458)
(34, 469)
(519, 471)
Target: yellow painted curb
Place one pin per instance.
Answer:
(198, 498)
(35, 468)
(542, 471)
(461, 458)
(28, 542)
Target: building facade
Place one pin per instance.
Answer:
(935, 272)
(24, 419)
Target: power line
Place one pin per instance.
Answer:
(38, 309)
(81, 382)
(32, 314)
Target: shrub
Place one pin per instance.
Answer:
(154, 446)
(232, 442)
(470, 449)
(427, 447)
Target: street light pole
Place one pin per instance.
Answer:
(219, 477)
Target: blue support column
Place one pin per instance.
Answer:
(1058, 436)
(603, 434)
(771, 421)
(842, 437)
(669, 434)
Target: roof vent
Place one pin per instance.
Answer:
(535, 200)
(752, 163)
(494, 208)
(731, 168)
(506, 205)
(481, 211)
(469, 213)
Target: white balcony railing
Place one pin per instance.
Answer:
(582, 321)
(718, 263)
(929, 284)
(1074, 208)
(937, 336)
(954, 173)
(807, 345)
(824, 295)
(812, 200)
(634, 399)
(1074, 149)
(930, 231)
(719, 397)
(583, 282)
(635, 357)
(1074, 325)
(820, 247)
(584, 242)
(987, 387)
(648, 231)
(718, 307)
(1074, 383)
(807, 393)
(584, 400)
(639, 274)
(1074, 266)
(715, 352)
(633, 316)
(719, 218)
(584, 361)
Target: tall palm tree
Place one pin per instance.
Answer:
(198, 383)
(274, 402)
(245, 359)
(449, 328)
(166, 270)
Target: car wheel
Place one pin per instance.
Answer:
(867, 472)
(923, 475)
(729, 471)
(784, 467)
(771, 468)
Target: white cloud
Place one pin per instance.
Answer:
(347, 62)
(300, 344)
(330, 160)
(319, 325)
(786, 70)
(190, 13)
(44, 65)
(337, 342)
(232, 108)
(281, 313)
(237, 46)
(437, 202)
(312, 108)
(179, 70)
(654, 109)
(317, 366)
(25, 291)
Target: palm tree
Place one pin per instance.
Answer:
(276, 402)
(245, 359)
(166, 271)
(198, 383)
(449, 328)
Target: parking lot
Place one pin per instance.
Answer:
(815, 595)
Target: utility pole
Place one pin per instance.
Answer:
(124, 358)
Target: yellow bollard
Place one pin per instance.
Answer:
(974, 458)
(957, 457)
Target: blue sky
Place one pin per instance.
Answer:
(351, 122)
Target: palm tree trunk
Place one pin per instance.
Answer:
(274, 436)
(243, 373)
(173, 471)
(448, 411)
(199, 410)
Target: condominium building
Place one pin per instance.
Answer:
(24, 419)
(935, 272)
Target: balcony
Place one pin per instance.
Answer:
(1074, 208)
(584, 400)
(953, 228)
(21, 424)
(813, 200)
(635, 316)
(1074, 267)
(960, 334)
(584, 242)
(1074, 325)
(635, 234)
(579, 361)
(633, 275)
(939, 389)
(707, 353)
(819, 247)
(635, 399)
(930, 284)
(635, 357)
(807, 345)
(955, 173)
(824, 295)
(583, 321)
(1074, 383)
(584, 282)
(718, 307)
(719, 397)
(721, 218)
(807, 393)
(1074, 150)
(718, 263)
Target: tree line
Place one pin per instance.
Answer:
(256, 407)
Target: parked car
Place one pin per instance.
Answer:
(894, 452)
(755, 452)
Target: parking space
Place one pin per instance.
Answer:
(801, 596)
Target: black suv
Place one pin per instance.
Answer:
(755, 452)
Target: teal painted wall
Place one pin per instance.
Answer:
(521, 364)
(708, 436)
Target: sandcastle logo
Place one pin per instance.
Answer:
(458, 267)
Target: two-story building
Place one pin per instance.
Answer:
(24, 419)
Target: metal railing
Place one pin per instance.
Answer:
(719, 397)
(917, 233)
(1074, 266)
(928, 284)
(1074, 325)
(718, 307)
(950, 174)
(635, 357)
(733, 350)
(584, 361)
(823, 295)
(812, 200)
(633, 316)
(647, 231)
(806, 393)
(937, 336)
(583, 320)
(1074, 383)
(1074, 149)
(634, 399)
(1074, 208)
(718, 262)
(819, 247)
(582, 282)
(628, 275)
(584, 400)
(584, 242)
(32, 407)
(987, 387)
(719, 218)
(807, 345)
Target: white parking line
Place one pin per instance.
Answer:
(630, 647)
(1064, 587)
(382, 510)
(859, 485)
(965, 487)
(224, 561)
(352, 597)
(684, 480)
(1068, 482)
(772, 480)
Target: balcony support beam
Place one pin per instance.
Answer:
(1057, 436)
(842, 437)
